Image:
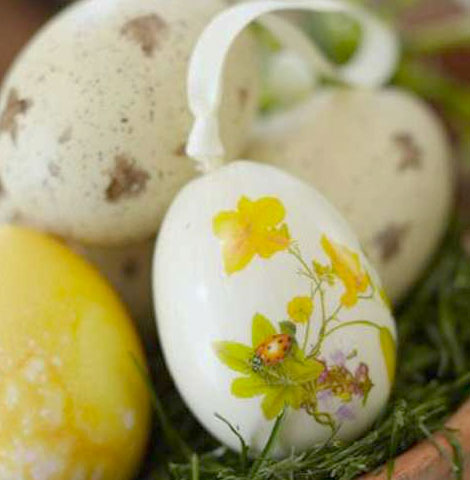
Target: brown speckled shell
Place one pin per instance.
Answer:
(94, 116)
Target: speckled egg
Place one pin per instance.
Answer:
(73, 404)
(266, 303)
(383, 159)
(94, 119)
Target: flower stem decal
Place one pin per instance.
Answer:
(284, 365)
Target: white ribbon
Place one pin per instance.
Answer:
(372, 64)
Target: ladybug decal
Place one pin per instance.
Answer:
(272, 351)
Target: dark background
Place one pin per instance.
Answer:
(19, 19)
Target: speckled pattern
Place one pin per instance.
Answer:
(99, 85)
(148, 31)
(126, 179)
(390, 240)
(14, 108)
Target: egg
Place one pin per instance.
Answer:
(7, 210)
(128, 269)
(383, 159)
(288, 78)
(94, 118)
(73, 404)
(269, 313)
(266, 302)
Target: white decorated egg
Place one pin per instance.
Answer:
(266, 302)
(94, 118)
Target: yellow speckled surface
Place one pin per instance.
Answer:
(72, 403)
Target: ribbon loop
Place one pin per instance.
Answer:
(371, 66)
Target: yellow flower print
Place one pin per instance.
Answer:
(389, 352)
(347, 266)
(282, 381)
(324, 272)
(253, 229)
(385, 298)
(300, 309)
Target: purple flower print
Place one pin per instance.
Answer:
(324, 396)
(338, 358)
(345, 413)
(362, 373)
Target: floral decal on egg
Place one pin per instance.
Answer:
(253, 229)
(282, 365)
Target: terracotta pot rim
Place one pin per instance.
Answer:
(425, 462)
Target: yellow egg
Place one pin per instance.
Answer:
(73, 405)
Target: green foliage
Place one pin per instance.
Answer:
(337, 35)
(432, 381)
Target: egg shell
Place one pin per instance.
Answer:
(7, 210)
(94, 118)
(73, 404)
(200, 307)
(383, 159)
(128, 269)
(288, 78)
